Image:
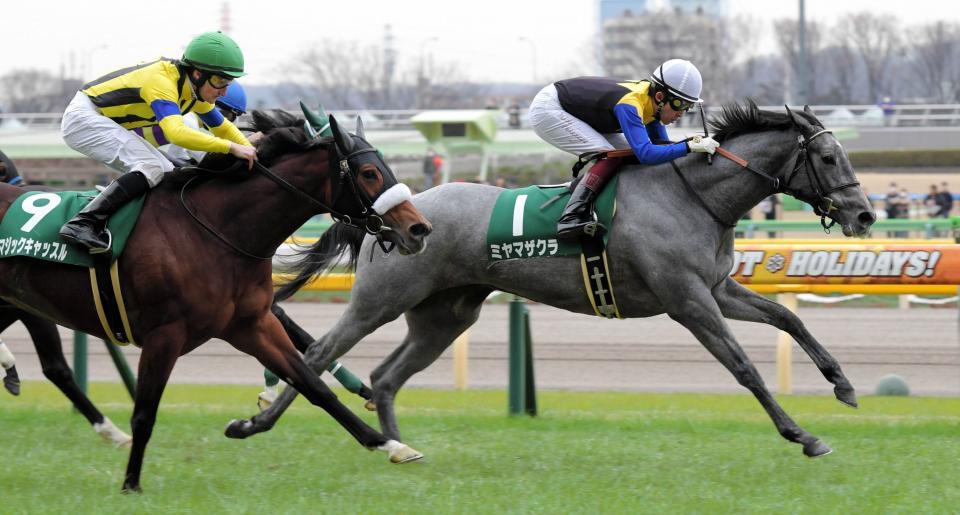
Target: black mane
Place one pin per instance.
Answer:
(738, 119)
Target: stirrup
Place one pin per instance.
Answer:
(101, 250)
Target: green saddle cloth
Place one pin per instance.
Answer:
(523, 226)
(31, 225)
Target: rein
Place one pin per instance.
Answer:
(822, 205)
(369, 221)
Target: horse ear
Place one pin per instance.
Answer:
(359, 131)
(343, 139)
(793, 117)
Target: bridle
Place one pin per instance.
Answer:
(367, 219)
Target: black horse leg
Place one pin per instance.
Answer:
(156, 363)
(699, 312)
(8, 364)
(269, 344)
(739, 303)
(433, 325)
(302, 340)
(349, 330)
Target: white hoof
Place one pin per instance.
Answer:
(112, 434)
(267, 398)
(399, 452)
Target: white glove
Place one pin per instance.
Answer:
(703, 144)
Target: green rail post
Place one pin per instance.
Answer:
(123, 368)
(80, 360)
(522, 390)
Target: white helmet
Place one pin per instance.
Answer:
(680, 78)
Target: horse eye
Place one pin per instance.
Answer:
(369, 175)
(828, 159)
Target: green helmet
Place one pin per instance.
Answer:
(215, 52)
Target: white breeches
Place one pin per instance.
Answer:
(565, 131)
(87, 131)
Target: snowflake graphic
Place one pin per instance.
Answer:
(775, 263)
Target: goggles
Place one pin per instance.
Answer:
(679, 104)
(219, 82)
(229, 113)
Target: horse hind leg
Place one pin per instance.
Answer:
(739, 303)
(701, 315)
(350, 329)
(49, 347)
(433, 325)
(11, 379)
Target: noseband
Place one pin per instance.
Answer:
(822, 205)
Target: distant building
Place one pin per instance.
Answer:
(635, 39)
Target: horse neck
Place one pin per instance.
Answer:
(730, 190)
(259, 215)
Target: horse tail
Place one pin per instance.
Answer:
(317, 259)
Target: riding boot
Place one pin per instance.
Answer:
(578, 217)
(88, 228)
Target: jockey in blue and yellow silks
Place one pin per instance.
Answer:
(120, 119)
(596, 114)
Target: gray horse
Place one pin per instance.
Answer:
(670, 251)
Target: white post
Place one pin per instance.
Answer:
(460, 347)
(785, 347)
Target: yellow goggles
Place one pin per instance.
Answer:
(219, 82)
(679, 104)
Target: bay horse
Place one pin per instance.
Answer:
(49, 346)
(670, 251)
(197, 265)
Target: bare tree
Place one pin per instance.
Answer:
(875, 40)
(787, 34)
(934, 53)
(36, 91)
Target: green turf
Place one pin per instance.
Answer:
(586, 453)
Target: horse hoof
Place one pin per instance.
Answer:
(370, 406)
(816, 449)
(266, 399)
(12, 384)
(132, 489)
(399, 452)
(238, 429)
(846, 395)
(109, 432)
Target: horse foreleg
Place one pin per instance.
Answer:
(11, 379)
(698, 312)
(156, 363)
(739, 303)
(49, 347)
(270, 345)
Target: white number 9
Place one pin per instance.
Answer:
(38, 212)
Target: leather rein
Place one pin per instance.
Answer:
(368, 220)
(822, 205)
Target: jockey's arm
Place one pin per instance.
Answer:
(160, 93)
(636, 133)
(223, 128)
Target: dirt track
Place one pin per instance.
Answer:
(584, 353)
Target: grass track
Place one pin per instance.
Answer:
(586, 453)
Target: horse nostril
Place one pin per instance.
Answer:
(867, 218)
(419, 230)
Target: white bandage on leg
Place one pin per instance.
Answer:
(7, 360)
(393, 197)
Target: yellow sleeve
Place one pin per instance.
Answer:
(179, 134)
(230, 132)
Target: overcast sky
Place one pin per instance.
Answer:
(483, 36)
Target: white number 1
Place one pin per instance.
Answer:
(38, 212)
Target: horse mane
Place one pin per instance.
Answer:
(739, 119)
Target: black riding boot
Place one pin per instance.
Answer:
(577, 218)
(87, 229)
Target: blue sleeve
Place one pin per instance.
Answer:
(636, 133)
(212, 118)
(657, 132)
(164, 108)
